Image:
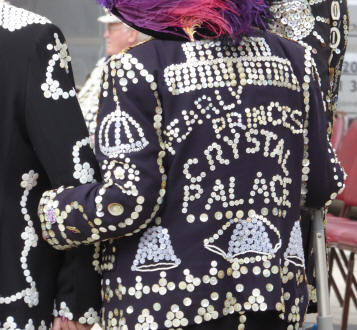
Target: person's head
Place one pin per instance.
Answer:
(119, 36)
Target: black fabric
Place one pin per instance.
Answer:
(306, 230)
(254, 321)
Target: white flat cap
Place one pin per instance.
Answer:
(108, 18)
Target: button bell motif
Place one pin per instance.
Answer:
(155, 251)
(112, 125)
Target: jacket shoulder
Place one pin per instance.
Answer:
(23, 31)
(291, 46)
(15, 19)
(278, 45)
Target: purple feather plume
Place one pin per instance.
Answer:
(218, 17)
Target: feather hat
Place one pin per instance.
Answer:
(190, 19)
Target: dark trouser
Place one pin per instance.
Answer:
(247, 321)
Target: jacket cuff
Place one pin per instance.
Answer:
(90, 317)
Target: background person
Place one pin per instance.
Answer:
(118, 36)
(44, 143)
(322, 26)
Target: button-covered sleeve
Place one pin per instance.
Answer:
(58, 135)
(130, 151)
(323, 177)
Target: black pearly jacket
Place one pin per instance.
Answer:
(207, 151)
(43, 143)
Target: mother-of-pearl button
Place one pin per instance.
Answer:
(335, 11)
(115, 209)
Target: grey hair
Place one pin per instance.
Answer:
(141, 36)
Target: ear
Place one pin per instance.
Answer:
(133, 36)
